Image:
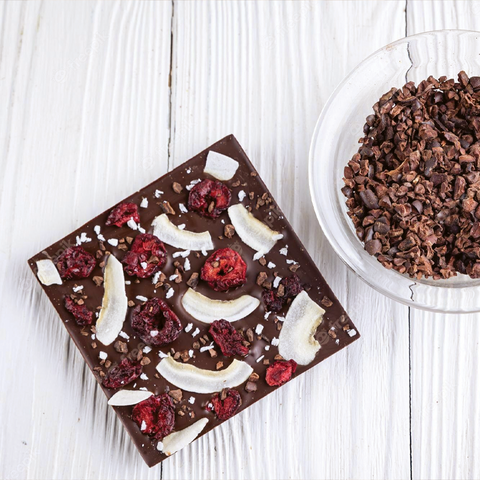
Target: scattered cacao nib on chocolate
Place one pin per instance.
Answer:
(229, 230)
(413, 188)
(326, 302)
(121, 214)
(120, 347)
(193, 280)
(177, 188)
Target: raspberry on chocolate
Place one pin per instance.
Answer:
(288, 288)
(224, 269)
(146, 257)
(75, 262)
(155, 416)
(156, 323)
(123, 374)
(83, 316)
(122, 213)
(280, 372)
(209, 198)
(226, 403)
(227, 338)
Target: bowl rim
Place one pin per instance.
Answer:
(336, 247)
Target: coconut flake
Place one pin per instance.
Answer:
(132, 224)
(141, 298)
(167, 232)
(284, 251)
(114, 302)
(198, 380)
(220, 166)
(186, 265)
(177, 440)
(47, 272)
(207, 310)
(259, 329)
(158, 193)
(241, 195)
(124, 398)
(144, 202)
(170, 293)
(188, 327)
(182, 208)
(252, 231)
(113, 242)
(276, 282)
(296, 339)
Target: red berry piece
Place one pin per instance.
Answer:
(155, 416)
(226, 403)
(280, 372)
(209, 198)
(224, 269)
(75, 262)
(122, 213)
(83, 316)
(156, 323)
(146, 256)
(227, 338)
(289, 287)
(123, 374)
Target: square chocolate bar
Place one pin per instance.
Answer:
(192, 299)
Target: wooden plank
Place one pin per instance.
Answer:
(85, 102)
(445, 373)
(263, 71)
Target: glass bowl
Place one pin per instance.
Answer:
(335, 140)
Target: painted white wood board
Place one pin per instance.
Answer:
(444, 356)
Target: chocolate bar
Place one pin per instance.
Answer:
(192, 299)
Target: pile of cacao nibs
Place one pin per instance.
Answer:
(413, 188)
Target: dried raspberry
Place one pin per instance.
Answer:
(83, 316)
(227, 407)
(271, 301)
(291, 287)
(224, 269)
(75, 262)
(122, 213)
(146, 256)
(280, 372)
(227, 338)
(155, 416)
(147, 321)
(209, 198)
(124, 373)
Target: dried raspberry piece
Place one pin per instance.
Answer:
(224, 269)
(147, 322)
(83, 316)
(280, 372)
(291, 287)
(227, 407)
(146, 257)
(227, 338)
(124, 373)
(75, 262)
(271, 301)
(155, 416)
(209, 198)
(122, 213)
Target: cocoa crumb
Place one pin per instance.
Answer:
(177, 188)
(326, 302)
(131, 303)
(219, 365)
(167, 208)
(229, 231)
(97, 280)
(177, 395)
(249, 334)
(145, 361)
(193, 280)
(120, 347)
(262, 261)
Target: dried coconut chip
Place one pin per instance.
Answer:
(177, 440)
(47, 272)
(220, 166)
(129, 397)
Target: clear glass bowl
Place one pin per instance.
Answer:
(335, 140)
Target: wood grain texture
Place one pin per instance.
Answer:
(445, 360)
(85, 101)
(263, 70)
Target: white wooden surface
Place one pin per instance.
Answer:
(100, 98)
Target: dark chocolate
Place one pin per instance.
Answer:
(248, 180)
